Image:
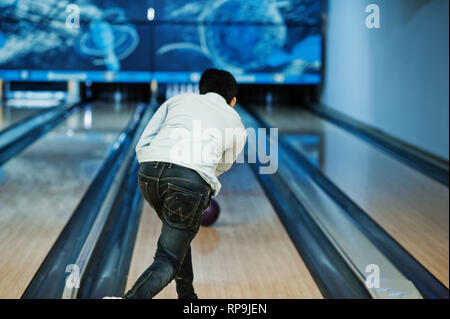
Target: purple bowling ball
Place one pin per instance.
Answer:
(211, 213)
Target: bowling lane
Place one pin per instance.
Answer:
(410, 206)
(11, 115)
(245, 254)
(41, 187)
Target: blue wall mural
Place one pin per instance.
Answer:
(259, 41)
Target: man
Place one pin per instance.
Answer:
(188, 143)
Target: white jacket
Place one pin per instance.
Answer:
(200, 132)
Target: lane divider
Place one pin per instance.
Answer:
(425, 282)
(18, 138)
(50, 279)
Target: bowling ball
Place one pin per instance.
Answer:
(211, 213)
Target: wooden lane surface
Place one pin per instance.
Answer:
(411, 207)
(39, 190)
(246, 254)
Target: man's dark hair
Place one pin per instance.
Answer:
(220, 82)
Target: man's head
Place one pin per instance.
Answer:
(220, 82)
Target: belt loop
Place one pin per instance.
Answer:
(156, 164)
(170, 165)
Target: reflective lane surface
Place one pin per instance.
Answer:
(11, 115)
(245, 254)
(41, 187)
(410, 206)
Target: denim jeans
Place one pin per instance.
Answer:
(179, 196)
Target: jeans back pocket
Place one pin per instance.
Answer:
(144, 190)
(181, 206)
